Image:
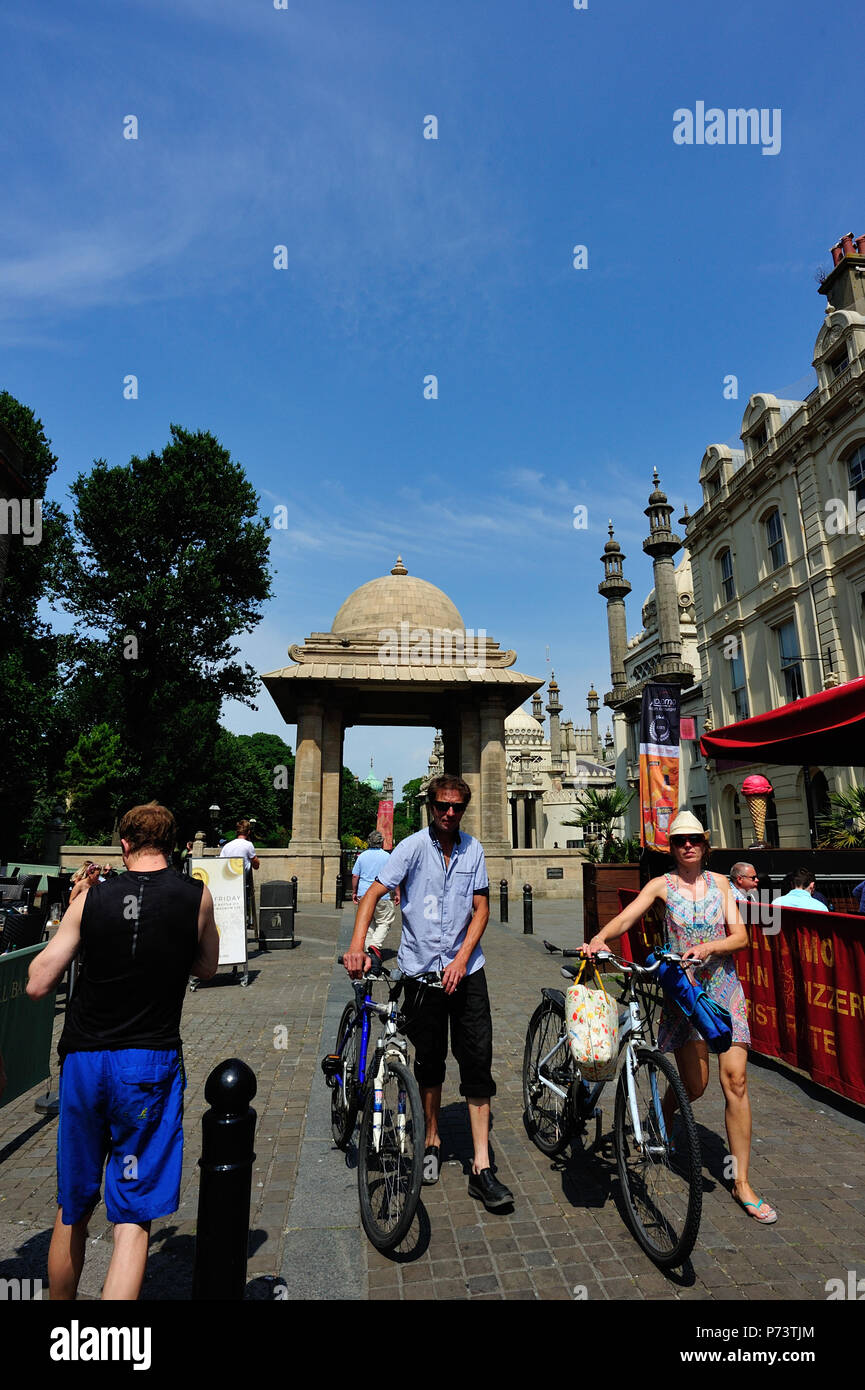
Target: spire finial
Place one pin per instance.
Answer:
(611, 528)
(399, 567)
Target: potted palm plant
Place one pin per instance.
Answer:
(612, 860)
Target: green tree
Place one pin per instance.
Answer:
(602, 810)
(406, 813)
(92, 777)
(241, 788)
(845, 828)
(169, 564)
(32, 730)
(359, 809)
(276, 760)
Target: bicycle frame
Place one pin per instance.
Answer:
(389, 1042)
(633, 1023)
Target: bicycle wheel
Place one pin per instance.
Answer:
(547, 1057)
(663, 1192)
(345, 1094)
(390, 1159)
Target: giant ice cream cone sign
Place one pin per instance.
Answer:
(757, 790)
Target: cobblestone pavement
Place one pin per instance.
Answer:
(287, 990)
(565, 1232)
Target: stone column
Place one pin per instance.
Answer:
(522, 828)
(306, 818)
(470, 769)
(451, 748)
(494, 778)
(614, 588)
(331, 779)
(539, 821)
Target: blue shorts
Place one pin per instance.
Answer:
(126, 1107)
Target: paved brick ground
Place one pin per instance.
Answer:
(565, 1231)
(287, 991)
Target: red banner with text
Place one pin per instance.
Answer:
(803, 974)
(384, 823)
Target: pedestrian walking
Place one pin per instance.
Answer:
(141, 935)
(702, 921)
(444, 899)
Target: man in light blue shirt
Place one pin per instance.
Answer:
(369, 863)
(800, 894)
(444, 889)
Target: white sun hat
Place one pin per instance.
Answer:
(687, 824)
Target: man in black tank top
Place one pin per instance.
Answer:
(140, 936)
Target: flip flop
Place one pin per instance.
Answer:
(768, 1219)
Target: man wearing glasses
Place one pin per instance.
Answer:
(743, 882)
(444, 897)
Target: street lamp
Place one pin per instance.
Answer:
(214, 818)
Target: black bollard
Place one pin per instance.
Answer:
(503, 900)
(225, 1186)
(294, 891)
(338, 902)
(528, 928)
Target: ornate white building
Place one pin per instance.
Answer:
(545, 774)
(770, 600)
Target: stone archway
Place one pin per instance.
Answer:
(397, 652)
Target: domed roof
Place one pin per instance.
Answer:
(520, 720)
(395, 598)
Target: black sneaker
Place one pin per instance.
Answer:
(492, 1193)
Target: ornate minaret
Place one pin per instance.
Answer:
(662, 545)
(592, 705)
(614, 588)
(537, 707)
(554, 709)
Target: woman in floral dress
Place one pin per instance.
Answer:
(702, 922)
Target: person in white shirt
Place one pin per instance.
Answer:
(242, 847)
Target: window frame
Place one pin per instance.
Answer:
(728, 581)
(779, 541)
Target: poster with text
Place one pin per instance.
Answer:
(659, 764)
(224, 878)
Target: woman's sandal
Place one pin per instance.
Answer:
(768, 1219)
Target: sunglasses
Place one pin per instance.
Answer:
(444, 806)
(681, 840)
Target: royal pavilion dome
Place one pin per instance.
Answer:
(396, 598)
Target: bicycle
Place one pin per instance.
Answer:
(660, 1180)
(392, 1129)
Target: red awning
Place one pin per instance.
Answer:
(828, 728)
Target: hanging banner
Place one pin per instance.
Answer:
(384, 823)
(659, 764)
(225, 879)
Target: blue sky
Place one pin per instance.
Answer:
(557, 387)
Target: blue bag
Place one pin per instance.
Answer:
(711, 1020)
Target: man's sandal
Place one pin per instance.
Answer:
(769, 1216)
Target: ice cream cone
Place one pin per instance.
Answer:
(758, 804)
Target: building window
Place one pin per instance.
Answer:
(728, 583)
(737, 685)
(759, 438)
(856, 473)
(715, 485)
(791, 668)
(737, 820)
(775, 539)
(839, 364)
